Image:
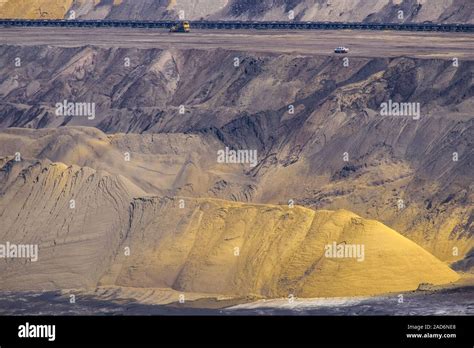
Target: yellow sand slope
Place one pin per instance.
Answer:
(244, 249)
(201, 245)
(33, 9)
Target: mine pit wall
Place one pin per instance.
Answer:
(337, 110)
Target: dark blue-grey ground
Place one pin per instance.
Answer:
(455, 301)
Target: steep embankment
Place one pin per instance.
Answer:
(233, 248)
(191, 244)
(438, 11)
(75, 215)
(335, 151)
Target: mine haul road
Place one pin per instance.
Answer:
(429, 45)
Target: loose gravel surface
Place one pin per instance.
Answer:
(360, 43)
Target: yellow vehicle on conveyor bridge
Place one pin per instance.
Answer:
(181, 27)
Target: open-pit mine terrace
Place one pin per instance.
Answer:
(361, 43)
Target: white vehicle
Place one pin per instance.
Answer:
(341, 50)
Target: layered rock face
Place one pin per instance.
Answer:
(194, 245)
(319, 130)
